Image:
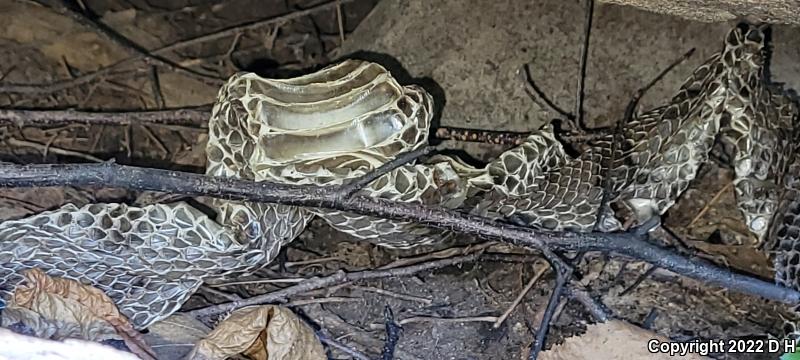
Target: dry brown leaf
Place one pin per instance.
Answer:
(261, 332)
(65, 326)
(610, 341)
(68, 301)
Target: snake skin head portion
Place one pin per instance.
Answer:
(323, 128)
(149, 260)
(328, 128)
(231, 147)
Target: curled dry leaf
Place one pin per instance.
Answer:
(67, 326)
(62, 301)
(261, 332)
(610, 341)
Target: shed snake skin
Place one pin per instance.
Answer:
(332, 126)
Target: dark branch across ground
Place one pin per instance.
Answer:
(624, 244)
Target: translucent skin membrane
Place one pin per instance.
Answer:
(332, 126)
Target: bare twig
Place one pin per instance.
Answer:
(341, 347)
(155, 87)
(232, 31)
(563, 273)
(708, 205)
(333, 321)
(521, 295)
(630, 110)
(318, 283)
(448, 320)
(350, 189)
(340, 21)
(618, 136)
(106, 72)
(441, 254)
(112, 69)
(325, 300)
(536, 93)
(582, 296)
(197, 117)
(511, 138)
(130, 46)
(392, 334)
(624, 244)
(45, 148)
(260, 281)
(289, 264)
(638, 281)
(584, 57)
(393, 294)
(156, 140)
(482, 136)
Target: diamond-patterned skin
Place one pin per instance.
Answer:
(335, 125)
(331, 127)
(148, 259)
(783, 240)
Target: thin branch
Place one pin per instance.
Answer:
(592, 306)
(535, 93)
(45, 148)
(356, 334)
(112, 69)
(130, 46)
(340, 21)
(348, 190)
(232, 31)
(392, 334)
(641, 278)
(631, 108)
(618, 136)
(587, 30)
(511, 138)
(482, 136)
(341, 347)
(155, 87)
(452, 320)
(394, 294)
(339, 277)
(708, 205)
(563, 274)
(624, 244)
(520, 296)
(195, 117)
(59, 85)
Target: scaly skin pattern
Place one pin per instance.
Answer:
(784, 235)
(326, 128)
(148, 260)
(538, 184)
(330, 127)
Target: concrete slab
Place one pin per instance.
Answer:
(472, 51)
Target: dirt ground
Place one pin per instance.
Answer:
(468, 54)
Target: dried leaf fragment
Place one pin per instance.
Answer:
(65, 301)
(265, 332)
